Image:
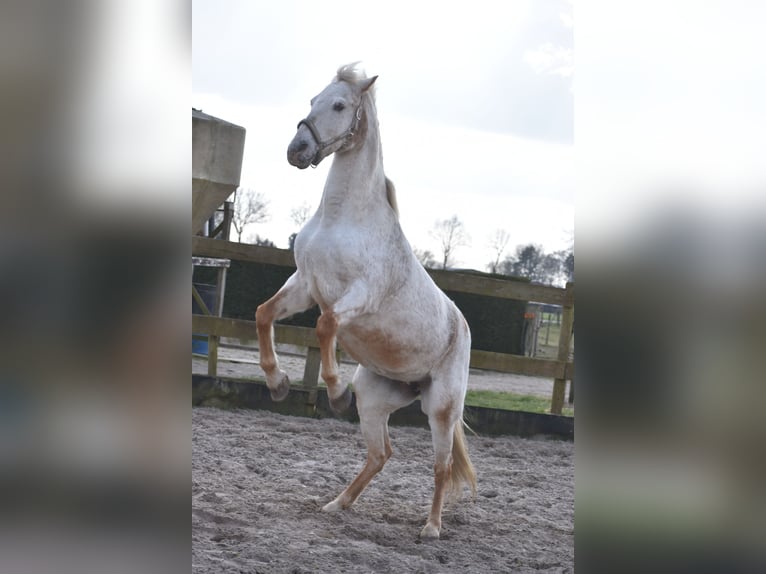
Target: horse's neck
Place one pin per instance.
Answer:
(356, 183)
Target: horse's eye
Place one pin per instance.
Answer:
(338, 106)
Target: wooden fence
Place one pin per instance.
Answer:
(560, 369)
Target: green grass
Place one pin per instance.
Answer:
(488, 399)
(512, 402)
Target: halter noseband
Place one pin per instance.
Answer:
(322, 145)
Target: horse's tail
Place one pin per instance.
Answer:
(391, 196)
(462, 467)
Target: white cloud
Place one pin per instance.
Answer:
(677, 120)
(550, 59)
(566, 17)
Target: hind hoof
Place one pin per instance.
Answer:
(342, 403)
(282, 388)
(429, 532)
(334, 506)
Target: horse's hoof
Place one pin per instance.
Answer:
(280, 391)
(333, 506)
(342, 403)
(429, 532)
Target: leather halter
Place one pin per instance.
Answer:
(322, 145)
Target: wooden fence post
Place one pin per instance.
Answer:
(311, 373)
(217, 311)
(565, 337)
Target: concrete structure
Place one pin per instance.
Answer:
(217, 150)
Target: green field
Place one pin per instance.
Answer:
(512, 402)
(548, 338)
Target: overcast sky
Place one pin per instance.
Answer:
(475, 104)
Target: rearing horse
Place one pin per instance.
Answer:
(376, 298)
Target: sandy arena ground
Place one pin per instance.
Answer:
(259, 480)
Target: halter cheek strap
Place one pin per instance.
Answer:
(322, 145)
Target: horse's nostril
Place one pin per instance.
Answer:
(302, 146)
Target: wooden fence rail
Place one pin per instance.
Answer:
(560, 369)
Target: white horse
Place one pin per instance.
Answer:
(354, 262)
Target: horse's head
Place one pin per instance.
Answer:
(333, 120)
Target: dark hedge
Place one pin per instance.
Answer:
(496, 324)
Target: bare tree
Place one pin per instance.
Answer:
(250, 206)
(498, 241)
(425, 257)
(301, 214)
(451, 235)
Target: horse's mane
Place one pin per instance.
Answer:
(352, 74)
(391, 196)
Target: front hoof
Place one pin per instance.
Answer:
(429, 532)
(279, 392)
(341, 404)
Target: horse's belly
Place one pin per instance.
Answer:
(385, 354)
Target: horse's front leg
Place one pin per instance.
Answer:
(292, 298)
(352, 303)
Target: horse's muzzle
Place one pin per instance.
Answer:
(301, 151)
(299, 158)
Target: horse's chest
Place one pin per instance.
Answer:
(323, 242)
(331, 260)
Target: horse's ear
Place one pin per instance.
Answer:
(367, 84)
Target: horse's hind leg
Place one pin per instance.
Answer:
(443, 401)
(376, 398)
(442, 425)
(290, 299)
